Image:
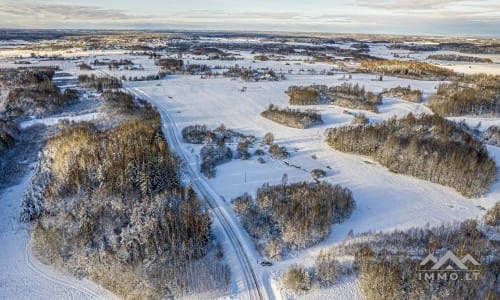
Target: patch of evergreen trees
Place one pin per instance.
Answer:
(108, 204)
(292, 117)
(471, 95)
(294, 215)
(426, 147)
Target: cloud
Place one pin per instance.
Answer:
(409, 17)
(407, 4)
(40, 13)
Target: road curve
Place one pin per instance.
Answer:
(252, 281)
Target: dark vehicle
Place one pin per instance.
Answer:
(266, 263)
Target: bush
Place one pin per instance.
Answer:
(318, 173)
(360, 119)
(326, 268)
(213, 155)
(196, 134)
(296, 278)
(492, 135)
(492, 217)
(242, 150)
(277, 152)
(268, 138)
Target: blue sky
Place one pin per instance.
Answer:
(431, 17)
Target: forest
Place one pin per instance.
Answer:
(292, 117)
(428, 147)
(388, 264)
(345, 95)
(455, 57)
(32, 92)
(354, 96)
(407, 69)
(470, 95)
(404, 93)
(108, 204)
(99, 83)
(292, 216)
(300, 95)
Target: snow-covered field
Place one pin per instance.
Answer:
(385, 201)
(21, 275)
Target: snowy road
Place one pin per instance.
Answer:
(244, 273)
(21, 275)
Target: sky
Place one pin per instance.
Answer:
(413, 17)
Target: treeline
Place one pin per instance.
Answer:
(388, 265)
(354, 96)
(99, 83)
(426, 147)
(250, 74)
(405, 93)
(114, 64)
(412, 47)
(299, 95)
(293, 216)
(33, 92)
(170, 64)
(150, 77)
(345, 95)
(470, 95)
(402, 68)
(292, 117)
(455, 57)
(108, 204)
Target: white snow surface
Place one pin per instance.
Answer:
(385, 201)
(54, 120)
(21, 275)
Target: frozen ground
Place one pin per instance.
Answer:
(381, 50)
(385, 201)
(21, 275)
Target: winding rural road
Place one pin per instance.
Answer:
(253, 283)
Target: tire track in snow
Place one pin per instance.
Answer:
(253, 285)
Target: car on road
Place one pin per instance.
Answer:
(266, 263)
